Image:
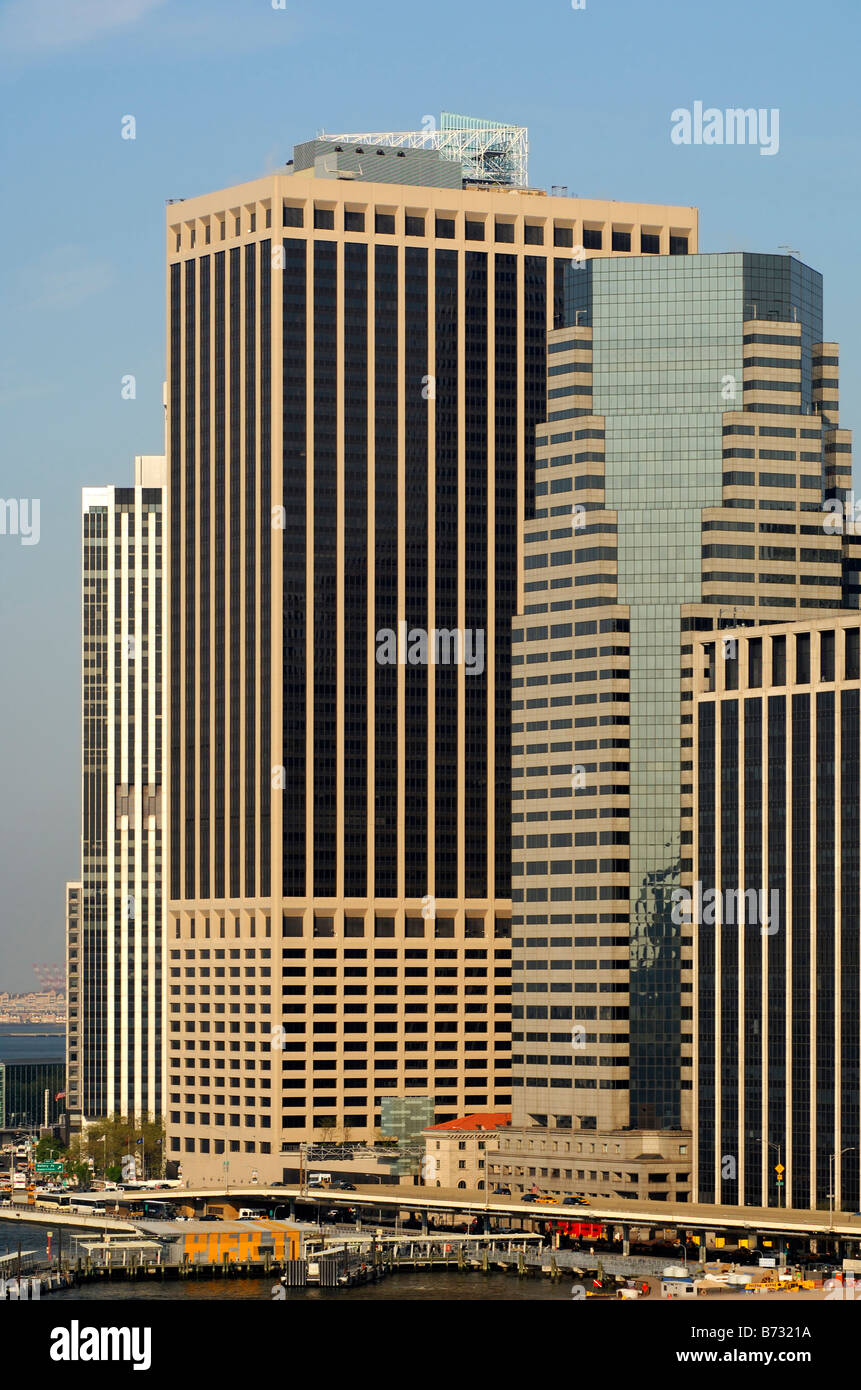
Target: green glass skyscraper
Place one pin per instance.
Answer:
(691, 429)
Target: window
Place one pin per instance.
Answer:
(384, 222)
(324, 218)
(754, 661)
(414, 225)
(621, 241)
(802, 658)
(563, 236)
(593, 238)
(504, 230)
(533, 235)
(853, 669)
(473, 231)
(709, 663)
(778, 661)
(292, 216)
(445, 226)
(354, 221)
(678, 245)
(650, 243)
(826, 656)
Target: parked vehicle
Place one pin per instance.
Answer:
(502, 1192)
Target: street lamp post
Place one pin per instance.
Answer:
(831, 1158)
(486, 1191)
(780, 1169)
(302, 1166)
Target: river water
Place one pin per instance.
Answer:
(409, 1285)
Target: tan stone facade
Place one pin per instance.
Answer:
(459, 1154)
(653, 1167)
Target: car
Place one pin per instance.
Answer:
(546, 1200)
(575, 1201)
(502, 1192)
(529, 1197)
(210, 1216)
(344, 1186)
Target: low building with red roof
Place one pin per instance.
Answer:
(456, 1151)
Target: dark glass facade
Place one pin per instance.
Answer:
(22, 1093)
(777, 1048)
(383, 348)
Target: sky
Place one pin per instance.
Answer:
(220, 91)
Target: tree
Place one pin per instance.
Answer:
(107, 1140)
(47, 1149)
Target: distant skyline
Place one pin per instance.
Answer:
(220, 92)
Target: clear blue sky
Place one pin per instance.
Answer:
(220, 91)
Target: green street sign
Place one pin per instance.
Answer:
(49, 1167)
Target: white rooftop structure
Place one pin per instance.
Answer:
(488, 151)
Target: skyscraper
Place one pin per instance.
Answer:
(73, 1003)
(356, 353)
(777, 977)
(691, 443)
(115, 958)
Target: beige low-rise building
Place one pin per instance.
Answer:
(459, 1152)
(637, 1165)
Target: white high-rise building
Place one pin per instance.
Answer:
(117, 977)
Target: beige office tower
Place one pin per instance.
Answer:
(356, 365)
(115, 919)
(691, 445)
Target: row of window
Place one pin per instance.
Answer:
(476, 228)
(802, 667)
(325, 926)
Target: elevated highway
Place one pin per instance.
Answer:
(727, 1222)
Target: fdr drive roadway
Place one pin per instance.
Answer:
(742, 1222)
